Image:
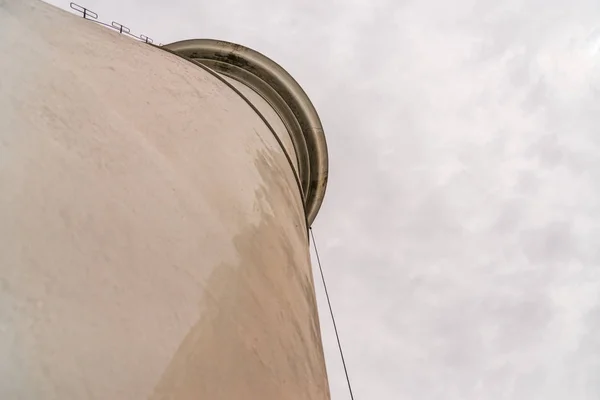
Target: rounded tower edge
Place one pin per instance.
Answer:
(284, 94)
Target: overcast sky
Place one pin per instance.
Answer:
(460, 233)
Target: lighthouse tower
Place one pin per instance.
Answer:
(154, 207)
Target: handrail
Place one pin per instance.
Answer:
(90, 15)
(85, 11)
(121, 28)
(146, 39)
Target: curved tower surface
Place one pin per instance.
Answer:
(154, 206)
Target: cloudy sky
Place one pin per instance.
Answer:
(460, 234)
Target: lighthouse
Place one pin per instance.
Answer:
(154, 211)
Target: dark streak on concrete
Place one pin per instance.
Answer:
(259, 335)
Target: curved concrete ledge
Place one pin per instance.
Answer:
(284, 94)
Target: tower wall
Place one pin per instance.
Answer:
(153, 235)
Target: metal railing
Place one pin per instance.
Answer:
(90, 15)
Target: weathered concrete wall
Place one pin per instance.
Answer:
(152, 237)
(270, 115)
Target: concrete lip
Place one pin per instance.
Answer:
(284, 94)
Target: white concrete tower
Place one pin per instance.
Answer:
(154, 205)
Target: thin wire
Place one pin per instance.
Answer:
(337, 336)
